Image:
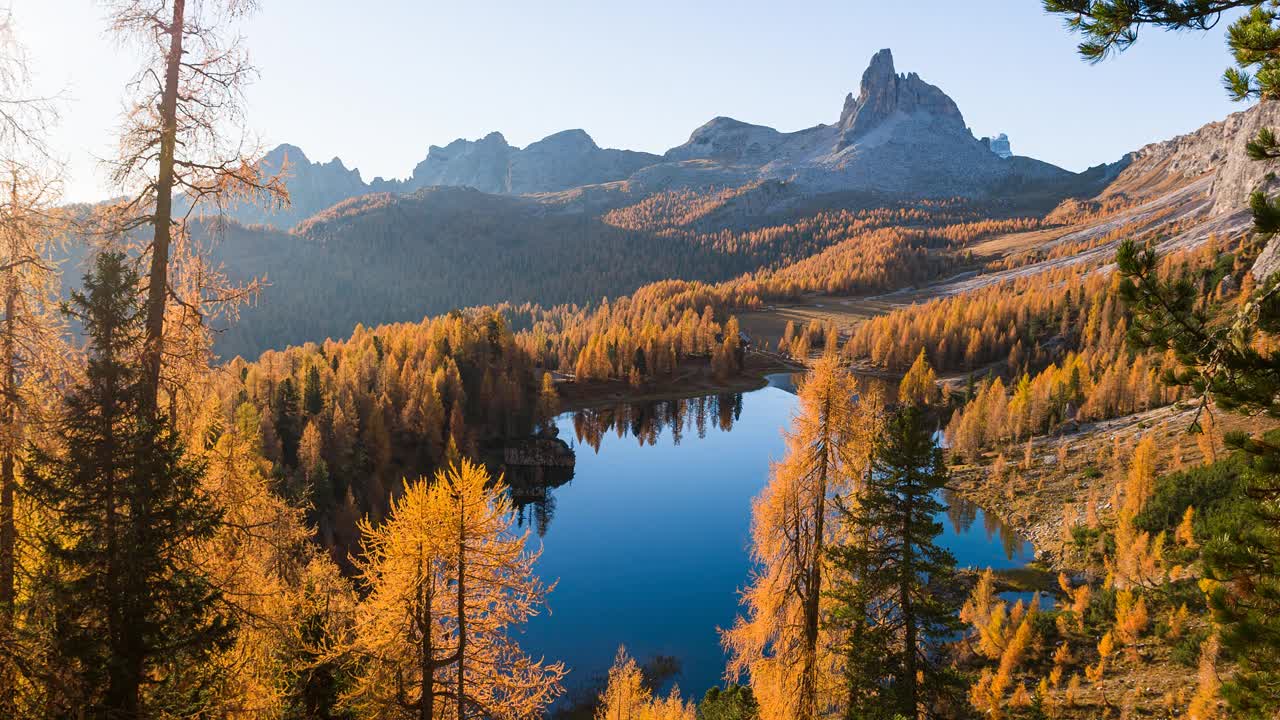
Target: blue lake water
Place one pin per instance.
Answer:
(648, 541)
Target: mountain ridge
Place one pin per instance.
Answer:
(899, 135)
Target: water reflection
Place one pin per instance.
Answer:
(994, 545)
(647, 421)
(531, 493)
(532, 484)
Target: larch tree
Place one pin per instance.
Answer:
(777, 644)
(448, 581)
(626, 696)
(181, 150)
(33, 354)
(920, 384)
(32, 350)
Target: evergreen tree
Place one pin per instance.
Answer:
(288, 421)
(136, 618)
(734, 702)
(312, 394)
(887, 580)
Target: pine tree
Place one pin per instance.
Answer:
(895, 619)
(312, 393)
(136, 616)
(288, 422)
(734, 702)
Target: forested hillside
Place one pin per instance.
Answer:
(383, 258)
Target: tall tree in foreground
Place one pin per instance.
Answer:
(175, 146)
(30, 343)
(777, 644)
(889, 605)
(135, 622)
(1227, 352)
(448, 582)
(32, 352)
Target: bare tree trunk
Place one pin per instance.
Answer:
(427, 700)
(8, 475)
(812, 602)
(910, 687)
(158, 280)
(462, 604)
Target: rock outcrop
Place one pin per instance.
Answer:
(999, 145)
(312, 187)
(884, 93)
(558, 162)
(899, 135)
(483, 164)
(1216, 149)
(539, 451)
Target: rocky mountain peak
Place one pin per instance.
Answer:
(277, 156)
(565, 141)
(883, 93)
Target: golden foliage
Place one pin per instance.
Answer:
(1131, 621)
(448, 580)
(625, 696)
(776, 643)
(1185, 534)
(920, 384)
(1206, 703)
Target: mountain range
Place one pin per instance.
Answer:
(899, 135)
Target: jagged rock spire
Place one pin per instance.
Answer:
(883, 92)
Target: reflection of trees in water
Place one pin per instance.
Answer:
(647, 421)
(530, 487)
(960, 512)
(1012, 542)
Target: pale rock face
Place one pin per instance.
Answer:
(482, 164)
(883, 93)
(1216, 148)
(558, 162)
(570, 159)
(900, 135)
(729, 141)
(1000, 145)
(1215, 151)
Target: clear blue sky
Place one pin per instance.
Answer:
(376, 82)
